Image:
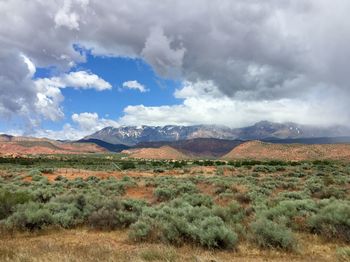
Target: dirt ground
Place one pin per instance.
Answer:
(71, 173)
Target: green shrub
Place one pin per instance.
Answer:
(43, 195)
(288, 212)
(164, 194)
(329, 192)
(232, 213)
(264, 169)
(179, 222)
(127, 165)
(267, 234)
(115, 214)
(66, 215)
(332, 221)
(31, 216)
(9, 200)
(35, 174)
(141, 230)
(212, 233)
(314, 184)
(198, 200)
(343, 253)
(293, 195)
(109, 219)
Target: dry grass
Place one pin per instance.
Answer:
(82, 245)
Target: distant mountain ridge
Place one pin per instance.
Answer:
(133, 135)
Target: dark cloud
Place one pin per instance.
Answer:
(250, 49)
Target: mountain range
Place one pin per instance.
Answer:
(264, 130)
(192, 141)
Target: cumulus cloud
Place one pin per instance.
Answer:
(33, 99)
(204, 104)
(135, 86)
(49, 96)
(83, 124)
(91, 121)
(254, 52)
(167, 61)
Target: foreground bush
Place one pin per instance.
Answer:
(181, 222)
(31, 216)
(115, 214)
(267, 234)
(9, 200)
(291, 213)
(332, 221)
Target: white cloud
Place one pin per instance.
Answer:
(83, 124)
(91, 121)
(67, 18)
(49, 96)
(209, 107)
(135, 86)
(77, 80)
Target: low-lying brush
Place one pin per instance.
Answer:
(332, 221)
(268, 234)
(181, 222)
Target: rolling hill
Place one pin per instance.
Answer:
(204, 147)
(163, 152)
(289, 152)
(12, 145)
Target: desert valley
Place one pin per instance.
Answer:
(204, 198)
(199, 131)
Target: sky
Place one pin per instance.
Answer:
(71, 67)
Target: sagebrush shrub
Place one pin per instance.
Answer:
(164, 194)
(267, 234)
(332, 221)
(115, 214)
(198, 200)
(9, 200)
(179, 222)
(31, 216)
(288, 211)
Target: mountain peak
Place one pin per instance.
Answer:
(132, 135)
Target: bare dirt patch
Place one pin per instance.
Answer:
(141, 192)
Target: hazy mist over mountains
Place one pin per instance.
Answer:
(132, 135)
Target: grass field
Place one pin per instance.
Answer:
(108, 208)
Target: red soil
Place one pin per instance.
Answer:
(17, 148)
(140, 192)
(289, 152)
(164, 152)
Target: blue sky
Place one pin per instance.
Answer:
(110, 103)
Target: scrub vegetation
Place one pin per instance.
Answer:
(227, 209)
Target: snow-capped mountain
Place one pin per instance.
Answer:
(132, 135)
